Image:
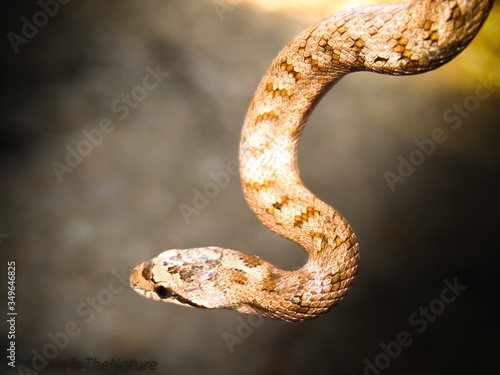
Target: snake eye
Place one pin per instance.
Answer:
(163, 290)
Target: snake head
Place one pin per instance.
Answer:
(185, 277)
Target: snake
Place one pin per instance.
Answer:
(395, 39)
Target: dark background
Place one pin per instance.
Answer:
(120, 205)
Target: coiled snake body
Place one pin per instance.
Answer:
(398, 39)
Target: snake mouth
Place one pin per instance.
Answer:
(165, 293)
(186, 302)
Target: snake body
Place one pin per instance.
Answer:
(396, 39)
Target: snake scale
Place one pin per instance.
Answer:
(397, 39)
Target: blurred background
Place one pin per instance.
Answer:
(77, 225)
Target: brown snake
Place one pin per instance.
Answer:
(397, 39)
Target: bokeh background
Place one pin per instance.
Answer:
(119, 206)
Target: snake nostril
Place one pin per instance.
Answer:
(163, 290)
(147, 274)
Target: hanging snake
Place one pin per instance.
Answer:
(397, 39)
